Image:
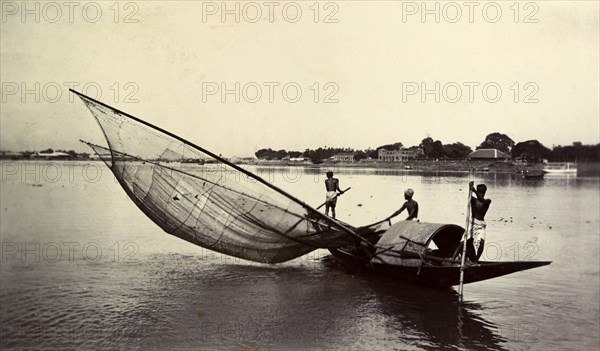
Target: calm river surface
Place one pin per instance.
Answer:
(82, 268)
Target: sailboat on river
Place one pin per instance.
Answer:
(225, 208)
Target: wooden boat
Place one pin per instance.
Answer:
(560, 168)
(533, 174)
(424, 253)
(230, 210)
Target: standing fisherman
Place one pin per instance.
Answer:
(332, 185)
(479, 207)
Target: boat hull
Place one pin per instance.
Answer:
(533, 174)
(560, 168)
(533, 177)
(436, 276)
(560, 171)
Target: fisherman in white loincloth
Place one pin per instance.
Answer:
(479, 207)
(332, 185)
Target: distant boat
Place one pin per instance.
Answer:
(560, 168)
(54, 155)
(533, 171)
(533, 174)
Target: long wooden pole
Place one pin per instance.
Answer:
(323, 204)
(464, 254)
(336, 195)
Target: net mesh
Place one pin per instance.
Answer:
(190, 194)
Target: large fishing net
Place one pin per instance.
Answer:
(199, 197)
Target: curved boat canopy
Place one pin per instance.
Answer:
(406, 240)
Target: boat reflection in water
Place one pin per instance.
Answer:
(305, 304)
(435, 316)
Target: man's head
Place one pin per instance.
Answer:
(329, 174)
(481, 189)
(408, 193)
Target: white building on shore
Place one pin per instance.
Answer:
(344, 157)
(400, 155)
(54, 155)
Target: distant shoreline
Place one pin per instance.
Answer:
(583, 168)
(417, 165)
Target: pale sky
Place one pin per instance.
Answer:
(374, 59)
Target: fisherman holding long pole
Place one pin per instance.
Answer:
(474, 237)
(479, 207)
(332, 185)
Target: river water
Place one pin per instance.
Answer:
(82, 268)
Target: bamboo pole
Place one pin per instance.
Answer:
(336, 195)
(464, 254)
(321, 205)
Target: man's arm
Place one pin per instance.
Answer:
(397, 212)
(479, 196)
(481, 199)
(337, 187)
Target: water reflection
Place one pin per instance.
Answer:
(176, 297)
(435, 316)
(317, 174)
(224, 305)
(305, 305)
(438, 317)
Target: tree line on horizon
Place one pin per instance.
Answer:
(530, 150)
(72, 153)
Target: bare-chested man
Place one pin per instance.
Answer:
(410, 205)
(479, 207)
(332, 185)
